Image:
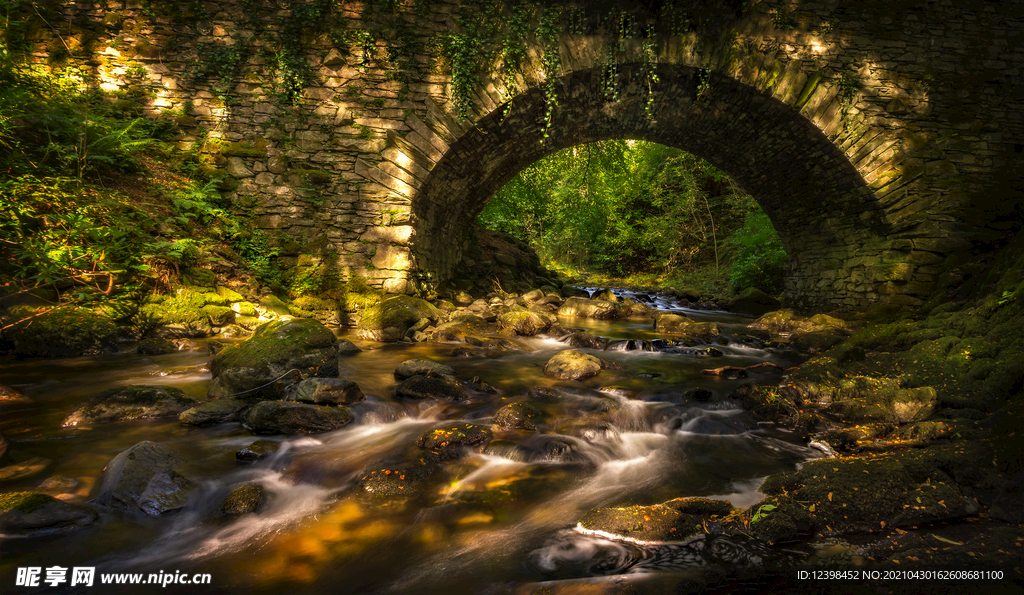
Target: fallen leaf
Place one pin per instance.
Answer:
(811, 509)
(830, 496)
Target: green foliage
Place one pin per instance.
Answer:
(622, 207)
(762, 513)
(759, 256)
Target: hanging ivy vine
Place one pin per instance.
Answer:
(551, 62)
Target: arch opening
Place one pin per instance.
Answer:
(802, 181)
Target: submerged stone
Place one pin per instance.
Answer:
(454, 435)
(257, 450)
(422, 366)
(431, 387)
(246, 498)
(131, 402)
(26, 514)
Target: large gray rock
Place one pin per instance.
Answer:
(326, 391)
(461, 326)
(425, 367)
(280, 417)
(213, 412)
(391, 319)
(25, 514)
(272, 359)
(143, 477)
(131, 402)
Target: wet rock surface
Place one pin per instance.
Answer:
(143, 477)
(273, 358)
(431, 387)
(29, 514)
(213, 412)
(130, 402)
(281, 417)
(325, 391)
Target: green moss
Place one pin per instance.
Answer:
(24, 502)
(64, 333)
(399, 312)
(245, 308)
(218, 315)
(229, 295)
(239, 149)
(273, 342)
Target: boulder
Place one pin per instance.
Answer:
(257, 450)
(585, 340)
(519, 416)
(818, 341)
(461, 326)
(606, 295)
(245, 498)
(524, 323)
(584, 308)
(136, 401)
(680, 325)
(786, 321)
(326, 391)
(280, 417)
(431, 387)
(217, 411)
(346, 347)
(27, 514)
(425, 367)
(572, 365)
(277, 353)
(533, 295)
(753, 302)
(64, 333)
(143, 477)
(391, 319)
(155, 346)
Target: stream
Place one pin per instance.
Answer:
(487, 523)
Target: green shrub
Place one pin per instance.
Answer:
(759, 256)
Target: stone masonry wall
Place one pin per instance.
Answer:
(884, 139)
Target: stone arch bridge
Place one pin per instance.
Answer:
(883, 138)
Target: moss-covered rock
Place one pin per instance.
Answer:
(130, 402)
(244, 308)
(786, 321)
(403, 479)
(144, 477)
(259, 449)
(586, 308)
(25, 514)
(271, 306)
(243, 499)
(64, 333)
(326, 310)
(677, 324)
(280, 417)
(889, 490)
(524, 323)
(585, 340)
(217, 411)
(156, 346)
(276, 354)
(519, 415)
(572, 365)
(229, 295)
(753, 302)
(431, 387)
(219, 315)
(422, 366)
(391, 318)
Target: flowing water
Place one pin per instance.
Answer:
(487, 522)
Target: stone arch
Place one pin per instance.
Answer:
(782, 144)
(787, 163)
